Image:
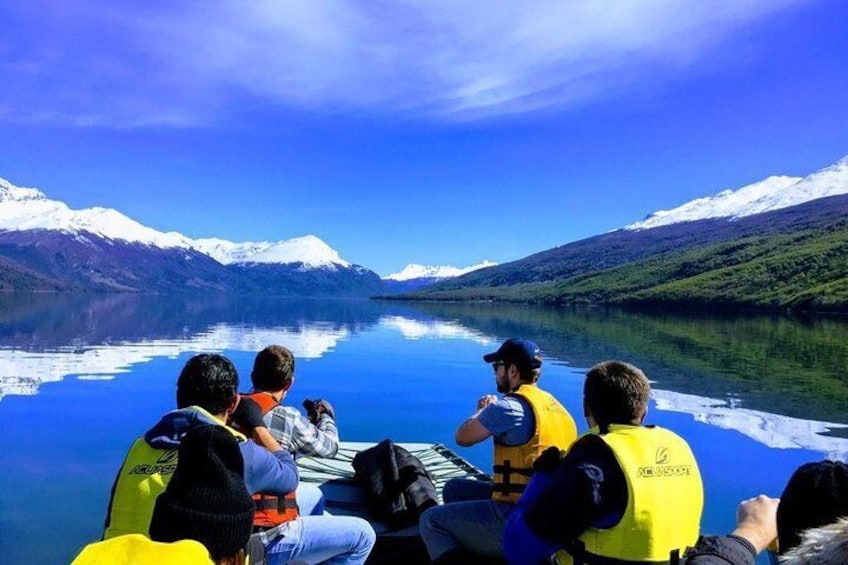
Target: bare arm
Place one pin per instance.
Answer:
(471, 431)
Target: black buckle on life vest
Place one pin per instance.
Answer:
(505, 486)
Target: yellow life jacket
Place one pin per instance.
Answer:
(143, 477)
(665, 498)
(514, 463)
(139, 550)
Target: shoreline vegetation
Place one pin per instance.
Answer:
(793, 260)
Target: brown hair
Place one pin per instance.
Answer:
(616, 393)
(273, 369)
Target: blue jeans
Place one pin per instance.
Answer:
(469, 519)
(310, 499)
(335, 540)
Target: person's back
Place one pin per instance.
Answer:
(203, 515)
(208, 387)
(513, 464)
(623, 492)
(206, 395)
(272, 377)
(664, 498)
(147, 470)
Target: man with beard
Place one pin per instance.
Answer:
(523, 423)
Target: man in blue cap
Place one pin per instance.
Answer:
(524, 422)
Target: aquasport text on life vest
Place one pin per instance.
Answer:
(664, 471)
(164, 465)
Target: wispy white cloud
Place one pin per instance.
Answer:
(141, 64)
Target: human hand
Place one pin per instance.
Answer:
(756, 521)
(247, 415)
(486, 400)
(549, 459)
(324, 407)
(311, 411)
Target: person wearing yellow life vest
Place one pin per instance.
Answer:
(523, 423)
(203, 517)
(207, 395)
(625, 493)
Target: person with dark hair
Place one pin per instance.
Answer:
(624, 492)
(272, 377)
(207, 395)
(523, 423)
(807, 522)
(816, 495)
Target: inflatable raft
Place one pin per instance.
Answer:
(347, 497)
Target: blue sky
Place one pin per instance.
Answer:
(426, 132)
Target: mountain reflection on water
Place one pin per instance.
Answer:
(85, 374)
(789, 366)
(777, 380)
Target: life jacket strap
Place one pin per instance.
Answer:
(579, 555)
(278, 503)
(502, 479)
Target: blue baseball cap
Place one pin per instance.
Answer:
(521, 352)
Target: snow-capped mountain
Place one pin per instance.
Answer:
(23, 209)
(308, 250)
(45, 245)
(414, 271)
(773, 193)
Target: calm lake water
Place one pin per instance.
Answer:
(82, 376)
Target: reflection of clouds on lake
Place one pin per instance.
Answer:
(432, 329)
(22, 372)
(773, 430)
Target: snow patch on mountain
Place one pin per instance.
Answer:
(10, 192)
(226, 252)
(23, 209)
(773, 193)
(414, 271)
(309, 250)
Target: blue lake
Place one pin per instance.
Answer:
(82, 376)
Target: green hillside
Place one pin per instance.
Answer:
(754, 264)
